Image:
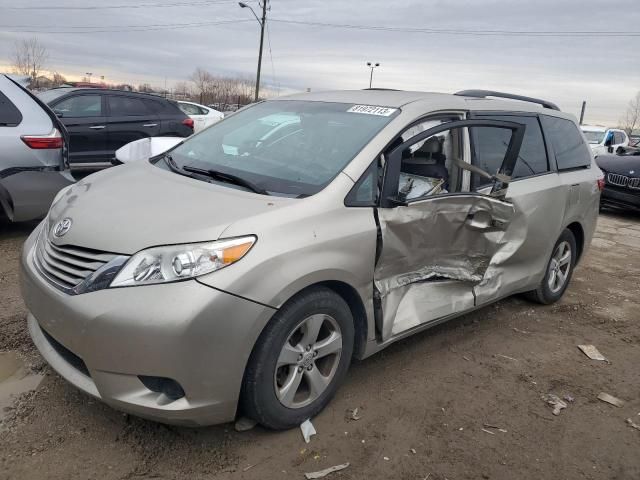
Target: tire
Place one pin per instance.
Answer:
(279, 361)
(549, 290)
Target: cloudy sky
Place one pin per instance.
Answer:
(574, 50)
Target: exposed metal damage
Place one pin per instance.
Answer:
(434, 253)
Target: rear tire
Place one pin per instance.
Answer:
(299, 361)
(559, 271)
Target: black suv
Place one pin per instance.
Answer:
(100, 121)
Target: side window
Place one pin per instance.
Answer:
(189, 109)
(568, 145)
(618, 138)
(488, 156)
(428, 167)
(365, 192)
(202, 111)
(126, 106)
(10, 116)
(80, 106)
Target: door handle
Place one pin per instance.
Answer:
(150, 125)
(97, 127)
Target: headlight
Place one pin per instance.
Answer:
(181, 262)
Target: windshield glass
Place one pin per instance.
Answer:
(50, 95)
(288, 147)
(594, 137)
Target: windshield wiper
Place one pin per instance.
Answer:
(168, 159)
(227, 177)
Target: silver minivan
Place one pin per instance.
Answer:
(33, 152)
(244, 269)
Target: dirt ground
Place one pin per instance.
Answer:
(423, 402)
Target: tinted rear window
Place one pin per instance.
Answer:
(162, 106)
(10, 116)
(570, 149)
(121, 106)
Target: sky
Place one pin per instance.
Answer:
(461, 44)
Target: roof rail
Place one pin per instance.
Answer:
(510, 96)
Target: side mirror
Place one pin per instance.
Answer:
(145, 148)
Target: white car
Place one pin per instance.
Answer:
(202, 116)
(603, 139)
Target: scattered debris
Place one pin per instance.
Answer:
(488, 425)
(488, 431)
(466, 358)
(592, 352)
(352, 414)
(555, 402)
(386, 459)
(632, 424)
(413, 450)
(244, 423)
(326, 471)
(506, 356)
(605, 397)
(569, 398)
(519, 331)
(308, 430)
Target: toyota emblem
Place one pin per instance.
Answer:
(62, 227)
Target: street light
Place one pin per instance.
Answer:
(261, 22)
(372, 66)
(88, 74)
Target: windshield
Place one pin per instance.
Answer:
(49, 95)
(288, 147)
(594, 137)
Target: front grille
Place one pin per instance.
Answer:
(619, 180)
(67, 266)
(634, 183)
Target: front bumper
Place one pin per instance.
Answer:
(620, 198)
(193, 334)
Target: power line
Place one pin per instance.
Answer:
(434, 31)
(111, 7)
(132, 28)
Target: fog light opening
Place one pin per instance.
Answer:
(170, 388)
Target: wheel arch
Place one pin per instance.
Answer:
(578, 233)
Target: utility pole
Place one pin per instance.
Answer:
(88, 74)
(262, 24)
(584, 105)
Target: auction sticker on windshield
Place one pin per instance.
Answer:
(372, 110)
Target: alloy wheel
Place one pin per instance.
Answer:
(308, 361)
(559, 267)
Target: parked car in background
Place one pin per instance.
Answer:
(250, 266)
(33, 153)
(603, 139)
(622, 179)
(634, 140)
(101, 120)
(202, 116)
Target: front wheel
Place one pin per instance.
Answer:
(559, 271)
(299, 360)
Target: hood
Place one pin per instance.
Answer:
(128, 208)
(628, 165)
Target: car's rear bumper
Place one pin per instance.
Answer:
(103, 341)
(619, 198)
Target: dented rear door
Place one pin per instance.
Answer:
(435, 249)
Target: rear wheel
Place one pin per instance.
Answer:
(559, 271)
(299, 360)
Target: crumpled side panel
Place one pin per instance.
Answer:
(433, 239)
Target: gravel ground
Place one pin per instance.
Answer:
(423, 402)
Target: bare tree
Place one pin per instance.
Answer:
(29, 57)
(202, 81)
(631, 119)
(58, 79)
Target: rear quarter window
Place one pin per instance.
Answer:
(568, 145)
(10, 116)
